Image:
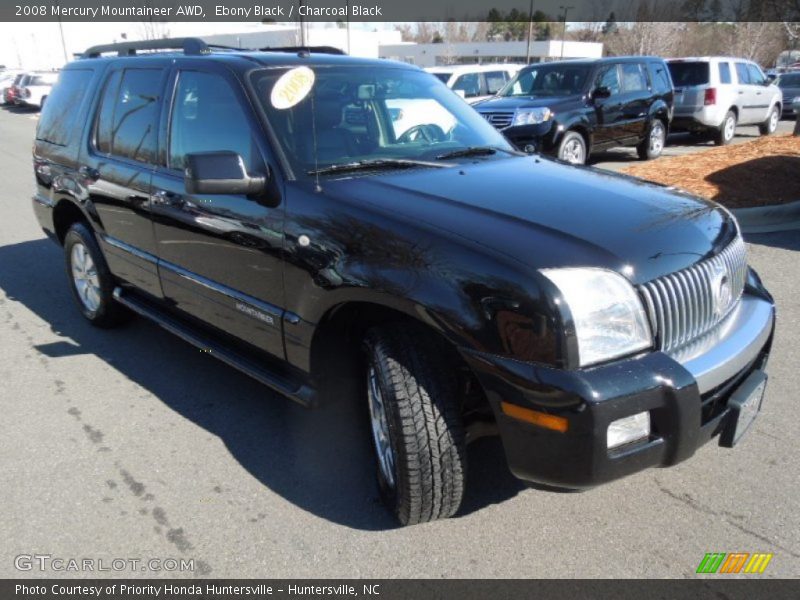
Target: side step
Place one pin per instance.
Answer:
(303, 394)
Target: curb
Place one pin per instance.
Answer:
(768, 219)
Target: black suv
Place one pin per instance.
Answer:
(573, 108)
(295, 215)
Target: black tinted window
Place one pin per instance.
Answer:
(688, 73)
(207, 117)
(633, 79)
(128, 116)
(724, 72)
(63, 103)
(791, 80)
(660, 77)
(741, 73)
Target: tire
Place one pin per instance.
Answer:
(653, 145)
(572, 148)
(415, 421)
(726, 131)
(769, 126)
(90, 281)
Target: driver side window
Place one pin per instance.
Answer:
(609, 78)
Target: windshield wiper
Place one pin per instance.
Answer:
(376, 163)
(475, 151)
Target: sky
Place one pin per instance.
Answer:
(39, 46)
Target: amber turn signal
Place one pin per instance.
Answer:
(534, 416)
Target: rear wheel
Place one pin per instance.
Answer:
(769, 126)
(727, 130)
(90, 280)
(572, 148)
(415, 421)
(653, 145)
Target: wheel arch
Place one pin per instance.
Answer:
(65, 213)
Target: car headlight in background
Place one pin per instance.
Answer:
(608, 315)
(531, 116)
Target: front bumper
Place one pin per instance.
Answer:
(686, 394)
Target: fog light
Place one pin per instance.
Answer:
(629, 429)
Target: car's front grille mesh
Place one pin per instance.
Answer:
(500, 119)
(688, 303)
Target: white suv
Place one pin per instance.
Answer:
(715, 94)
(475, 82)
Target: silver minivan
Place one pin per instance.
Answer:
(715, 94)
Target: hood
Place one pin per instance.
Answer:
(514, 102)
(546, 214)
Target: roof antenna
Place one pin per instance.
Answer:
(317, 186)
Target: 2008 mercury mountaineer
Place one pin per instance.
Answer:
(293, 211)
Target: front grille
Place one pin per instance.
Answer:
(688, 303)
(500, 119)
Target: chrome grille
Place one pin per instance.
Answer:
(500, 119)
(686, 304)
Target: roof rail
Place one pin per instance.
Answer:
(297, 49)
(189, 45)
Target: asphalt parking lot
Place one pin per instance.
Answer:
(132, 444)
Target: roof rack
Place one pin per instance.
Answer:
(297, 49)
(189, 45)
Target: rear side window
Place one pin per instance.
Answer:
(495, 80)
(685, 74)
(207, 117)
(127, 122)
(741, 73)
(659, 74)
(633, 78)
(724, 72)
(61, 108)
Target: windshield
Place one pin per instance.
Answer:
(344, 115)
(548, 80)
(790, 80)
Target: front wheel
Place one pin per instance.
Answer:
(90, 280)
(416, 424)
(769, 126)
(572, 148)
(653, 145)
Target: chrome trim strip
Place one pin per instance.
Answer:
(111, 241)
(725, 351)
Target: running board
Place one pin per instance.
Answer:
(300, 393)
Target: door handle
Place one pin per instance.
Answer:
(167, 198)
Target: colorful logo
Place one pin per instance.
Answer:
(735, 562)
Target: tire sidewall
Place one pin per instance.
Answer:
(728, 117)
(569, 135)
(79, 233)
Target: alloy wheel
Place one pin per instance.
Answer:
(379, 423)
(573, 152)
(84, 276)
(657, 136)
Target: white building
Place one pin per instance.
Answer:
(432, 55)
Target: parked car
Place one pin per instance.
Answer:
(573, 108)
(600, 324)
(7, 78)
(475, 82)
(10, 92)
(789, 84)
(715, 94)
(34, 90)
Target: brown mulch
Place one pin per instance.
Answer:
(763, 172)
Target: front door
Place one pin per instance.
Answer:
(608, 111)
(219, 254)
(636, 100)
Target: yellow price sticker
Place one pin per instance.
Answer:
(292, 87)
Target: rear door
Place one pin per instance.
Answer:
(636, 99)
(608, 111)
(118, 168)
(220, 255)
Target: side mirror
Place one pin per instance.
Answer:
(220, 173)
(601, 92)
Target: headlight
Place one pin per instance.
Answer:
(608, 316)
(531, 116)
